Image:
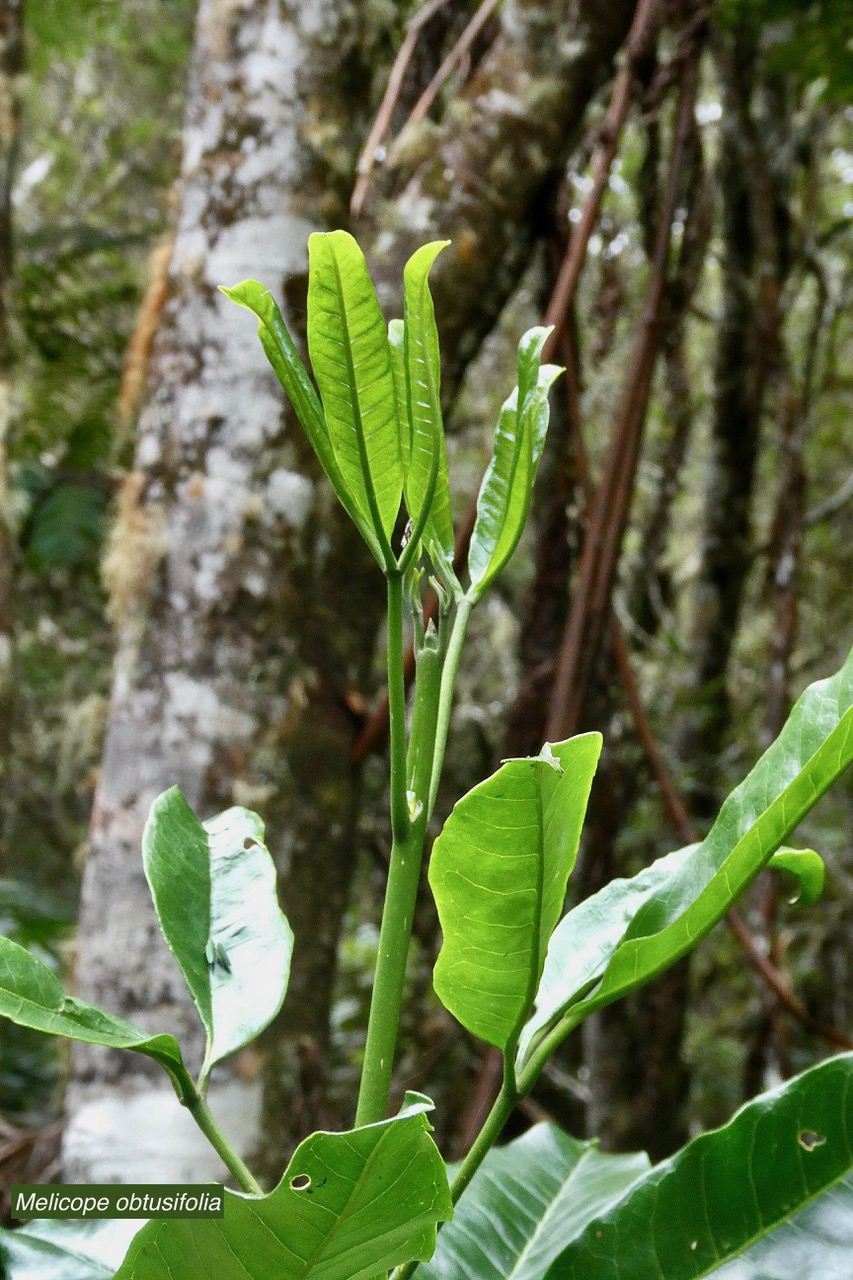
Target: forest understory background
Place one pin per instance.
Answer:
(670, 183)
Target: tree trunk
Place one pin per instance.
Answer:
(230, 569)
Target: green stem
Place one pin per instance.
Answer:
(387, 998)
(501, 1111)
(400, 820)
(201, 1113)
(407, 852)
(445, 699)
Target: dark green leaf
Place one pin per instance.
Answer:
(31, 996)
(526, 1202)
(816, 1244)
(214, 887)
(350, 1205)
(498, 872)
(351, 359)
(728, 1189)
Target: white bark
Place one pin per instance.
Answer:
(207, 667)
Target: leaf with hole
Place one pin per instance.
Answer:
(498, 873)
(728, 1189)
(350, 1206)
(214, 888)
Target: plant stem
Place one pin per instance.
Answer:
(201, 1113)
(445, 698)
(487, 1137)
(387, 999)
(400, 820)
(404, 872)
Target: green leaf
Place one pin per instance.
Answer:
(504, 497)
(214, 888)
(350, 1205)
(397, 344)
(526, 1202)
(727, 1189)
(808, 870)
(67, 528)
(293, 376)
(31, 996)
(351, 359)
(427, 470)
(47, 1249)
(498, 872)
(814, 747)
(817, 1242)
(584, 941)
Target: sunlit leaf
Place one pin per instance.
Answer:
(427, 469)
(351, 359)
(814, 747)
(293, 376)
(498, 872)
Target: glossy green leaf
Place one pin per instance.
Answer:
(350, 1206)
(397, 344)
(293, 376)
(351, 359)
(426, 475)
(504, 498)
(727, 1189)
(31, 996)
(50, 1249)
(808, 870)
(526, 1202)
(814, 747)
(815, 1244)
(214, 888)
(498, 872)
